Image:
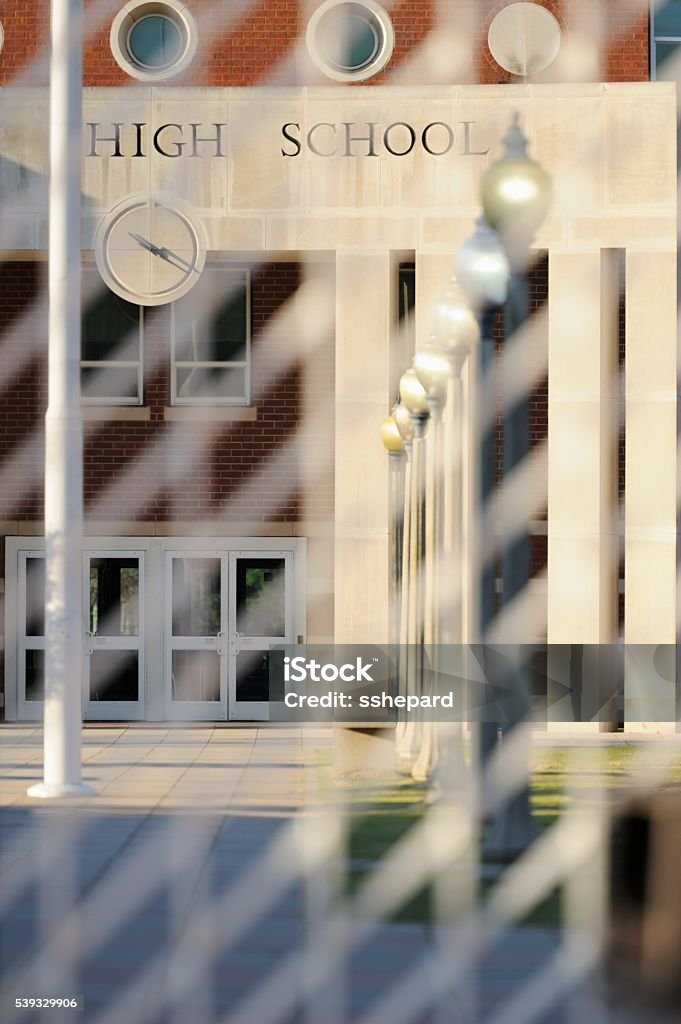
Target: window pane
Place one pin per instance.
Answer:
(35, 675)
(253, 675)
(667, 61)
(407, 290)
(114, 675)
(155, 41)
(196, 597)
(196, 675)
(350, 40)
(211, 320)
(211, 382)
(114, 597)
(260, 597)
(107, 382)
(110, 329)
(668, 19)
(35, 597)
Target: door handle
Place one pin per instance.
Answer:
(88, 643)
(219, 639)
(234, 643)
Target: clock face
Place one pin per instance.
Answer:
(150, 251)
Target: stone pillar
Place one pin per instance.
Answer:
(582, 461)
(363, 399)
(364, 301)
(650, 492)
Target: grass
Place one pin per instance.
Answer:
(382, 813)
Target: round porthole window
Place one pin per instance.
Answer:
(155, 41)
(350, 41)
(151, 40)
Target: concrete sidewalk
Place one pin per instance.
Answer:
(198, 885)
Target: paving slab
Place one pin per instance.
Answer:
(185, 873)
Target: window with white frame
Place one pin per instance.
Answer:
(111, 345)
(665, 40)
(211, 340)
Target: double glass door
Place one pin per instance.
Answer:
(224, 611)
(113, 654)
(168, 633)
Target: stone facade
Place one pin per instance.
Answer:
(323, 189)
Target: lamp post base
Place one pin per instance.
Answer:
(511, 832)
(52, 791)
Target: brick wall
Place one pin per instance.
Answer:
(244, 44)
(158, 470)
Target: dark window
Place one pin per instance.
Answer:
(111, 344)
(211, 340)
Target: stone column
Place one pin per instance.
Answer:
(363, 399)
(650, 492)
(582, 461)
(364, 301)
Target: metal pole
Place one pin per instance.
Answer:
(485, 559)
(452, 585)
(426, 759)
(63, 421)
(513, 829)
(396, 460)
(402, 752)
(408, 747)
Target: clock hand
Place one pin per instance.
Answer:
(162, 251)
(173, 258)
(143, 242)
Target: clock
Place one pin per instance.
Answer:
(150, 250)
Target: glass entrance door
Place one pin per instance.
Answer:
(113, 676)
(194, 657)
(260, 617)
(223, 614)
(31, 635)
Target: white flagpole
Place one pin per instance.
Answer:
(63, 421)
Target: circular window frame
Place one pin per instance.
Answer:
(138, 10)
(383, 23)
(153, 67)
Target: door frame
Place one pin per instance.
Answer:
(255, 710)
(27, 710)
(114, 710)
(152, 643)
(191, 711)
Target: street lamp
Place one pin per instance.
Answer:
(483, 271)
(404, 424)
(414, 400)
(413, 396)
(398, 504)
(431, 366)
(405, 427)
(516, 195)
(439, 365)
(482, 268)
(391, 437)
(394, 445)
(458, 329)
